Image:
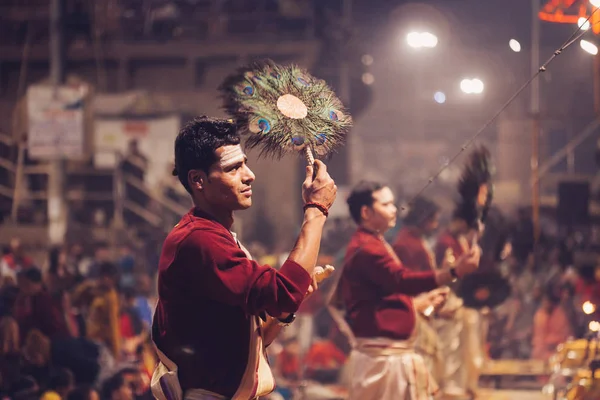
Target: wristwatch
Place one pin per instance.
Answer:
(453, 274)
(288, 320)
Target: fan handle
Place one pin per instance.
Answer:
(310, 159)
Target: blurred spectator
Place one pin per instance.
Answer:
(84, 392)
(35, 308)
(102, 323)
(145, 302)
(9, 328)
(116, 388)
(36, 357)
(126, 265)
(60, 384)
(14, 260)
(139, 383)
(101, 256)
(551, 326)
(522, 235)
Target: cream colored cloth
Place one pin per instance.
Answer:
(257, 380)
(383, 369)
(462, 343)
(427, 344)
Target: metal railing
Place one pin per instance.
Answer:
(117, 196)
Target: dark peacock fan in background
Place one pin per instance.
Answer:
(284, 109)
(486, 287)
(475, 188)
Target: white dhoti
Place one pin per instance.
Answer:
(462, 346)
(427, 344)
(383, 369)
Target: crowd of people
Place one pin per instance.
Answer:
(75, 327)
(78, 326)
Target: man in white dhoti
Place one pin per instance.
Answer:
(376, 290)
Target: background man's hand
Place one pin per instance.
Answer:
(426, 303)
(469, 262)
(319, 275)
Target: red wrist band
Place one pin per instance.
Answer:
(319, 206)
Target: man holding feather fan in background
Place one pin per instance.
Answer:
(375, 292)
(459, 327)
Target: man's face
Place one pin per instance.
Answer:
(382, 214)
(123, 393)
(432, 224)
(28, 287)
(229, 179)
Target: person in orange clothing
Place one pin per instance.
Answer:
(551, 327)
(324, 360)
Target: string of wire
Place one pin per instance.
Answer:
(576, 35)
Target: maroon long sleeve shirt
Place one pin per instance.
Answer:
(377, 289)
(410, 249)
(447, 240)
(208, 292)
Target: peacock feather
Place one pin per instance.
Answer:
(285, 109)
(475, 188)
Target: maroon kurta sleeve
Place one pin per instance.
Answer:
(446, 241)
(221, 271)
(386, 272)
(410, 249)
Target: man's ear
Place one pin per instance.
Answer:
(365, 213)
(197, 179)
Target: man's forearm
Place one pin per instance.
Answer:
(271, 330)
(306, 249)
(443, 277)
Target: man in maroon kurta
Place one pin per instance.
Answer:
(377, 292)
(411, 246)
(450, 244)
(457, 326)
(414, 251)
(209, 326)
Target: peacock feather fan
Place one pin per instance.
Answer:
(475, 188)
(285, 109)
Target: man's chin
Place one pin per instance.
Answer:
(246, 204)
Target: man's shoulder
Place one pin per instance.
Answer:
(444, 237)
(194, 228)
(405, 239)
(364, 244)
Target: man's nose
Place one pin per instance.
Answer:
(248, 175)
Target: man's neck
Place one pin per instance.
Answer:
(372, 229)
(415, 230)
(456, 227)
(224, 217)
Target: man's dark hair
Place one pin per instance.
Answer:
(60, 378)
(420, 211)
(80, 393)
(33, 275)
(108, 270)
(111, 385)
(129, 293)
(196, 144)
(362, 195)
